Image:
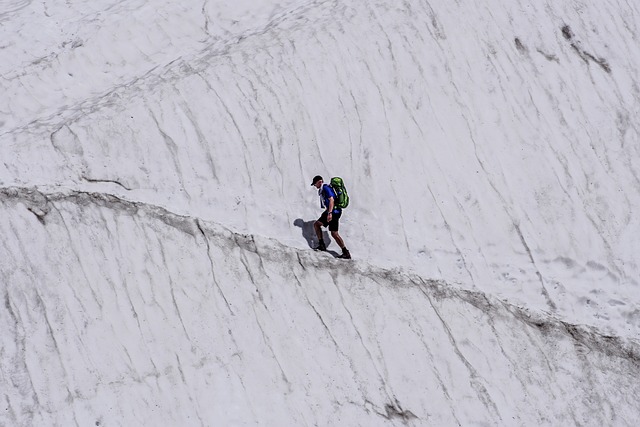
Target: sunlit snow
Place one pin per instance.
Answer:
(156, 262)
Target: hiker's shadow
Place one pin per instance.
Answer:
(309, 234)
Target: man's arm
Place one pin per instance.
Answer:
(329, 192)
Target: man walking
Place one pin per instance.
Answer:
(329, 218)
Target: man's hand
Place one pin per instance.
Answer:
(329, 215)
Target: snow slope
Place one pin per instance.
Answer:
(490, 149)
(148, 317)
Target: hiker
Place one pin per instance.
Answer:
(330, 217)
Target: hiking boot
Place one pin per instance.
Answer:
(321, 247)
(345, 254)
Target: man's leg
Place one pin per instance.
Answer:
(337, 238)
(334, 226)
(318, 227)
(345, 252)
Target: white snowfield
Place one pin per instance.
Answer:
(146, 317)
(156, 213)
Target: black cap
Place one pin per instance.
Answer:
(316, 179)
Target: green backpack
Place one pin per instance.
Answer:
(342, 197)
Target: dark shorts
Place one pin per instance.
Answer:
(335, 221)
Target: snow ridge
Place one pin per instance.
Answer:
(40, 203)
(244, 316)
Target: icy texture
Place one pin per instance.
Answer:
(156, 212)
(128, 314)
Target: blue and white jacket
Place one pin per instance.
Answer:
(325, 192)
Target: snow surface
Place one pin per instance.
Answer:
(157, 213)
